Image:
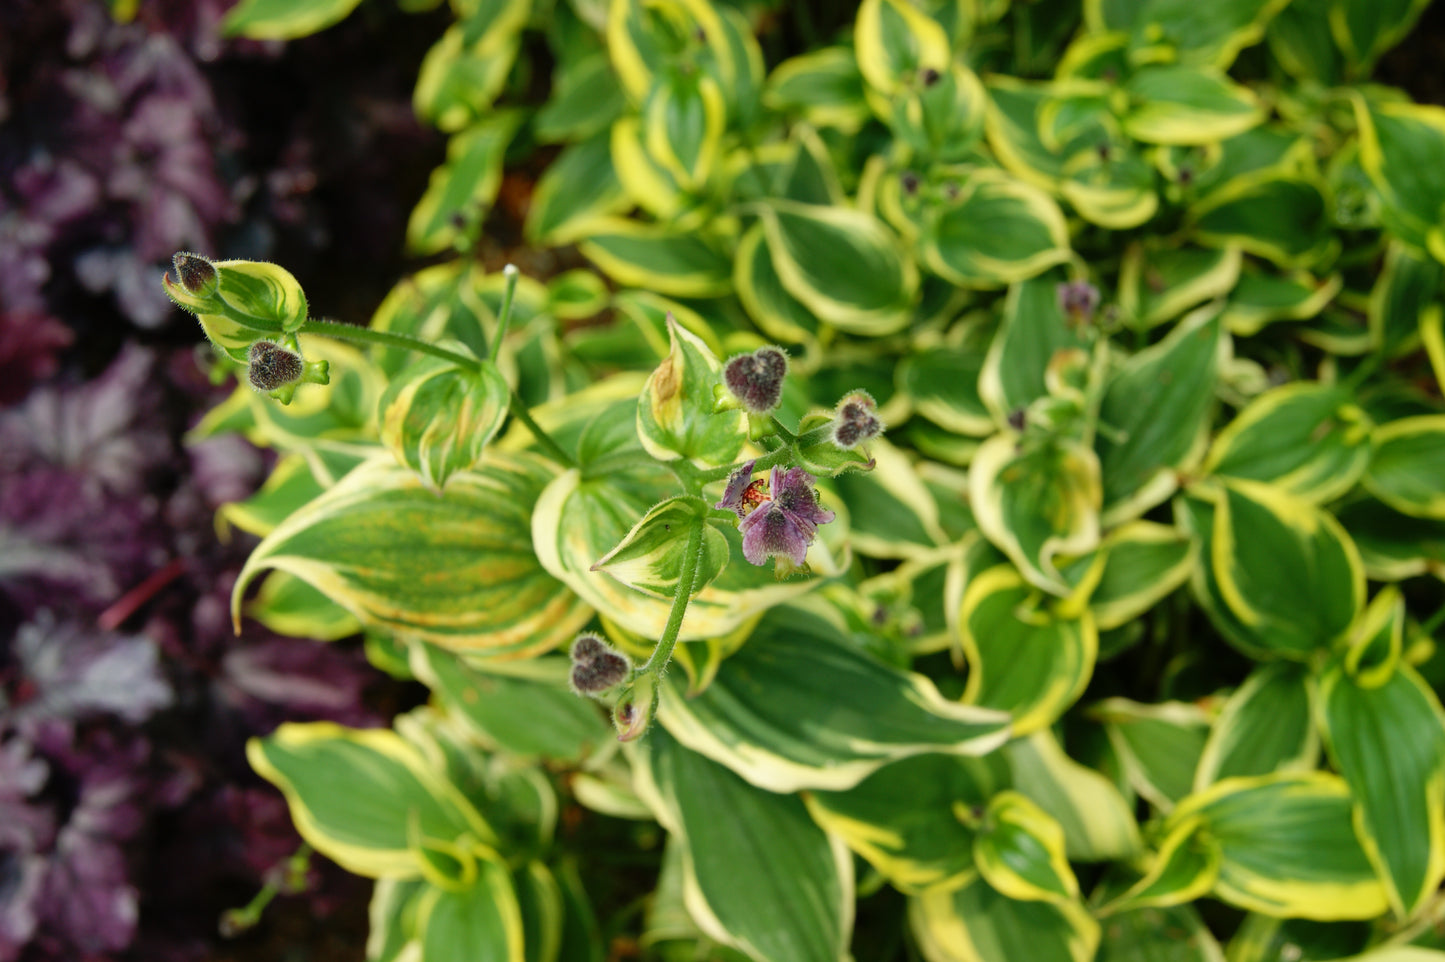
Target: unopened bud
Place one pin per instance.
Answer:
(196, 274)
(1079, 300)
(756, 379)
(929, 76)
(596, 665)
(273, 367)
(635, 708)
(856, 420)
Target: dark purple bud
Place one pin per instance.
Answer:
(756, 379)
(596, 665)
(1079, 300)
(1018, 418)
(196, 273)
(273, 367)
(910, 182)
(587, 646)
(856, 420)
(929, 76)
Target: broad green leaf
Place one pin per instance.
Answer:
(392, 917)
(1144, 561)
(1158, 285)
(576, 191)
(1185, 868)
(1364, 30)
(1277, 575)
(1192, 33)
(1308, 439)
(824, 87)
(1400, 297)
(1399, 148)
(1013, 128)
(576, 294)
(683, 122)
(895, 42)
(904, 820)
(1281, 216)
(1264, 727)
(437, 417)
(1019, 850)
(995, 230)
(1114, 188)
(1173, 934)
(1025, 655)
(1036, 501)
(480, 921)
(1156, 409)
(657, 258)
(1376, 641)
(585, 100)
(1188, 105)
(461, 191)
(284, 19)
(1405, 468)
(1288, 846)
(845, 265)
(527, 713)
(1033, 330)
(1394, 546)
(676, 416)
(540, 900)
(466, 69)
(1299, 37)
(774, 886)
(1262, 938)
(359, 796)
(1261, 298)
(645, 38)
(810, 176)
(648, 184)
(1098, 822)
(289, 486)
(777, 313)
(1388, 741)
(435, 303)
(1159, 745)
(251, 301)
(359, 543)
(289, 606)
(974, 923)
(943, 120)
(892, 513)
(760, 715)
(650, 556)
(943, 383)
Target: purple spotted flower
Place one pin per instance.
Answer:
(780, 521)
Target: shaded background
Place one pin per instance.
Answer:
(129, 820)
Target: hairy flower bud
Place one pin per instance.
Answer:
(196, 273)
(1079, 300)
(856, 420)
(756, 379)
(596, 665)
(273, 367)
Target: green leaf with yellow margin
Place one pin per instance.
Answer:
(1265, 726)
(903, 818)
(1405, 470)
(1288, 846)
(774, 886)
(1387, 738)
(1261, 298)
(844, 265)
(895, 41)
(289, 486)
(650, 556)
(974, 923)
(359, 544)
(1158, 285)
(1025, 655)
(996, 230)
(778, 314)
(1311, 440)
(1394, 546)
(437, 417)
(1364, 29)
(357, 796)
(676, 416)
(1144, 561)
(481, 921)
(1033, 331)
(1188, 105)
(1019, 850)
(284, 19)
(759, 716)
(1180, 30)
(1098, 822)
(1401, 295)
(683, 122)
(1037, 500)
(1185, 868)
(657, 258)
(289, 606)
(1173, 934)
(824, 87)
(578, 189)
(462, 190)
(892, 512)
(1274, 213)
(1157, 409)
(1158, 745)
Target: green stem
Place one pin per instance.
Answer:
(519, 408)
(504, 316)
(691, 555)
(405, 342)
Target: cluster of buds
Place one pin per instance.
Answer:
(756, 379)
(596, 665)
(251, 312)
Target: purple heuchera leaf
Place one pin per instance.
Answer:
(87, 894)
(785, 525)
(75, 673)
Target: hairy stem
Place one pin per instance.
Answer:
(504, 316)
(405, 342)
(691, 556)
(519, 408)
